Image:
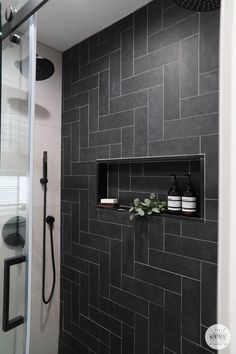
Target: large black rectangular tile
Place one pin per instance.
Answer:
(174, 147)
(94, 241)
(94, 329)
(155, 18)
(171, 91)
(158, 277)
(124, 176)
(75, 345)
(105, 320)
(84, 337)
(93, 110)
(200, 105)
(70, 116)
(104, 262)
(75, 303)
(191, 309)
(84, 127)
(143, 290)
(158, 58)
(209, 82)
(70, 195)
(142, 81)
(175, 14)
(174, 263)
(78, 265)
(130, 301)
(199, 125)
(83, 169)
(66, 156)
(75, 65)
(172, 226)
(83, 217)
(155, 336)
(114, 217)
(84, 294)
(128, 250)
(131, 101)
(190, 347)
(115, 263)
(112, 136)
(105, 229)
(173, 321)
(76, 101)
(140, 32)
(141, 131)
(93, 284)
(189, 66)
(203, 231)
(76, 182)
(209, 44)
(84, 252)
(75, 142)
(209, 294)
(181, 30)
(93, 153)
(151, 184)
(141, 334)
(94, 67)
(85, 85)
(212, 209)
(84, 54)
(141, 240)
(104, 93)
(155, 233)
(127, 53)
(128, 142)
(117, 311)
(156, 113)
(209, 146)
(115, 344)
(106, 47)
(127, 340)
(115, 84)
(202, 250)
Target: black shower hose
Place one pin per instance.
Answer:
(50, 221)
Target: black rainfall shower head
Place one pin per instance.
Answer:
(199, 5)
(44, 68)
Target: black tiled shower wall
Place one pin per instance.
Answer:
(145, 86)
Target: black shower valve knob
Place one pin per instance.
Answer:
(43, 181)
(50, 220)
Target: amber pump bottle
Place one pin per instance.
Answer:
(189, 198)
(174, 197)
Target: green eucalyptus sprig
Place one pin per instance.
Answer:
(147, 207)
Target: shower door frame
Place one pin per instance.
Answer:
(27, 12)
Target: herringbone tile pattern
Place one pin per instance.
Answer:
(146, 86)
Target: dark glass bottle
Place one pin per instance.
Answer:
(189, 199)
(174, 197)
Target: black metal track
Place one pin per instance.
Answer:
(29, 9)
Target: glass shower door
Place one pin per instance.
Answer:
(15, 189)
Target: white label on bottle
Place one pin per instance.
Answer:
(189, 204)
(174, 203)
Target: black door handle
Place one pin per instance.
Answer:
(8, 324)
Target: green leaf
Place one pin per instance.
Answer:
(136, 201)
(147, 201)
(156, 210)
(131, 209)
(149, 212)
(141, 212)
(152, 196)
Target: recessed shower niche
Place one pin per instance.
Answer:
(130, 178)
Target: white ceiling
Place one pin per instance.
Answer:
(63, 23)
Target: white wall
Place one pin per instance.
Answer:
(227, 211)
(45, 318)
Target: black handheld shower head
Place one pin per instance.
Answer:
(199, 5)
(44, 179)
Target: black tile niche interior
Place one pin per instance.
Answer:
(146, 86)
(128, 178)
